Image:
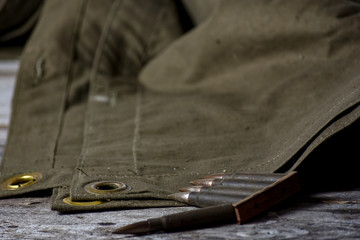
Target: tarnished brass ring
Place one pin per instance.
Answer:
(20, 181)
(68, 201)
(105, 187)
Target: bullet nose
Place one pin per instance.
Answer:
(191, 189)
(203, 182)
(181, 197)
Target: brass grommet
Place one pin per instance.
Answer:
(68, 201)
(105, 187)
(20, 181)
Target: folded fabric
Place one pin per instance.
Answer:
(102, 114)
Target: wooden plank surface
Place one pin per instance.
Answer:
(328, 215)
(319, 216)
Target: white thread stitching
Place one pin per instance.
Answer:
(298, 138)
(93, 75)
(137, 120)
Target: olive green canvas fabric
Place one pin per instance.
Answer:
(51, 96)
(258, 86)
(59, 194)
(39, 98)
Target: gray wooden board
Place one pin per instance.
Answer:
(317, 216)
(329, 215)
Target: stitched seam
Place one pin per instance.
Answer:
(324, 135)
(137, 120)
(138, 104)
(298, 138)
(93, 75)
(150, 176)
(75, 36)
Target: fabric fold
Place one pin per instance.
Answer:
(259, 86)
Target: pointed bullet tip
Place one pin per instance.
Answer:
(203, 182)
(214, 176)
(184, 189)
(181, 197)
(191, 189)
(135, 228)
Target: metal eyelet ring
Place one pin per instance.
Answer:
(20, 181)
(68, 201)
(105, 187)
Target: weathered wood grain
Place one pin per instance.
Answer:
(309, 217)
(328, 215)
